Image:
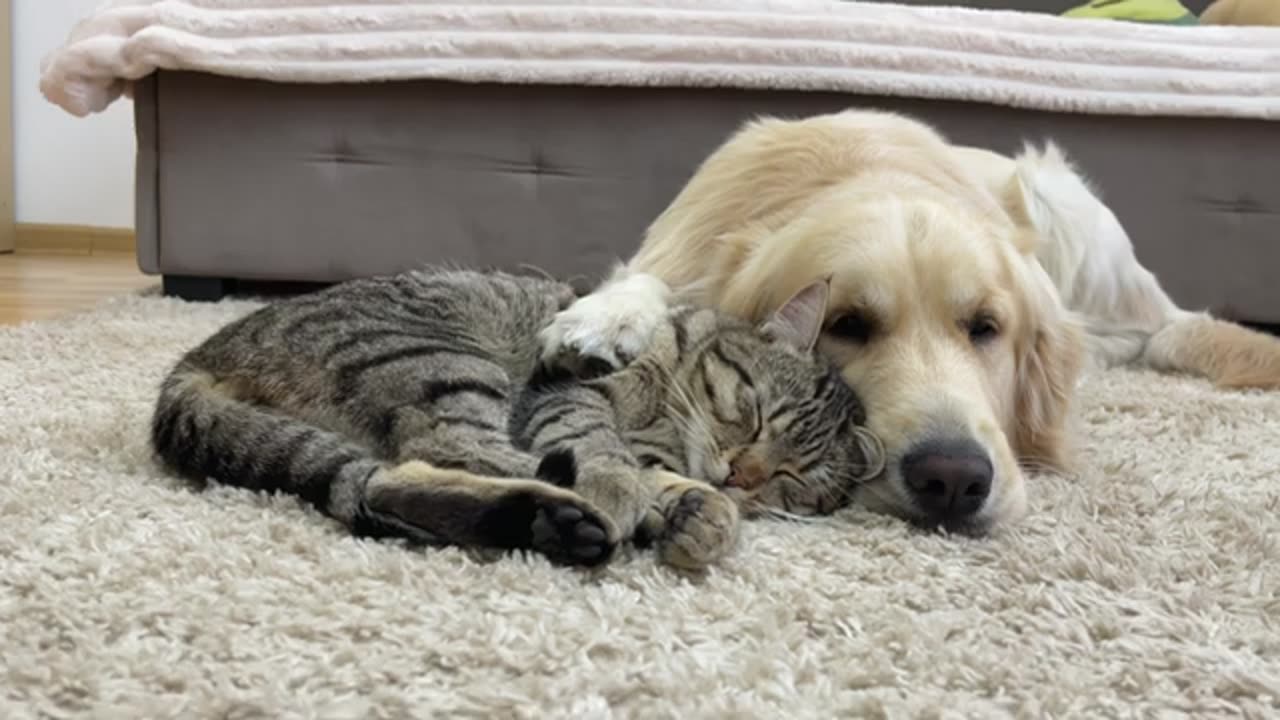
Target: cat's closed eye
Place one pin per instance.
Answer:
(751, 413)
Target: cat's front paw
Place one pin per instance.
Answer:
(701, 529)
(607, 329)
(618, 491)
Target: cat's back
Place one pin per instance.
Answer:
(492, 314)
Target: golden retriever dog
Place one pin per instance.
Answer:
(944, 314)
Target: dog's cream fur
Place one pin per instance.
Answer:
(1090, 258)
(921, 240)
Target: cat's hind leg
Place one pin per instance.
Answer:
(459, 478)
(461, 508)
(205, 426)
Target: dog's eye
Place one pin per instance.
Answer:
(982, 328)
(853, 327)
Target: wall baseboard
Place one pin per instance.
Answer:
(73, 239)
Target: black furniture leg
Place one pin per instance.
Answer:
(192, 287)
(1269, 328)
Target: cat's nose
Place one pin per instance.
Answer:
(747, 471)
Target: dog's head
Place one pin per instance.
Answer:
(946, 326)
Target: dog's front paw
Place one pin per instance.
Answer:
(701, 529)
(607, 329)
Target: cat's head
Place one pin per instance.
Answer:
(774, 424)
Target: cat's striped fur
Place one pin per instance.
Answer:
(415, 406)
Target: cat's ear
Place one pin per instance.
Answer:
(799, 321)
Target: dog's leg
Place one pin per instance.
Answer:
(1129, 317)
(613, 324)
(1229, 355)
(1142, 325)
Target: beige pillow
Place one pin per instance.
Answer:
(1242, 12)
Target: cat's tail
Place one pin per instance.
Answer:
(204, 428)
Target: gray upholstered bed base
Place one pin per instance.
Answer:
(252, 180)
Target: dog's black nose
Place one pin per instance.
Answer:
(949, 479)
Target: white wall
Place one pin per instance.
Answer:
(68, 170)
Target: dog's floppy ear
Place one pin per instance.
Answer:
(799, 321)
(1050, 355)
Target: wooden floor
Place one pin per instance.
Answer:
(37, 286)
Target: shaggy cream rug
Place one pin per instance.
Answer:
(1145, 587)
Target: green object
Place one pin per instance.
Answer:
(1169, 12)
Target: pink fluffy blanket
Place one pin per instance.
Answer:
(1018, 59)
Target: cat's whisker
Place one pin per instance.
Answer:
(693, 422)
(682, 394)
(889, 498)
(689, 416)
(684, 413)
(835, 495)
(780, 514)
(686, 426)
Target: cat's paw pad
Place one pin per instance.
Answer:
(701, 528)
(607, 329)
(571, 533)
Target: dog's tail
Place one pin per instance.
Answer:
(1228, 354)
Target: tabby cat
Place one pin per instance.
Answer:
(416, 406)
